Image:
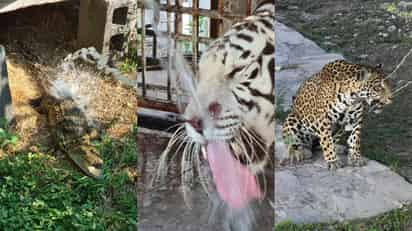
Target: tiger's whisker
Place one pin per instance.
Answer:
(257, 140)
(249, 141)
(187, 172)
(180, 125)
(162, 167)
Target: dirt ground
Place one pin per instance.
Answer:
(36, 41)
(370, 32)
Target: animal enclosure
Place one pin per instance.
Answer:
(192, 24)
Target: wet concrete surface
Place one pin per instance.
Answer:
(163, 208)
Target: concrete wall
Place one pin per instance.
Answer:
(11, 5)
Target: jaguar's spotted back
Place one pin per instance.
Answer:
(334, 98)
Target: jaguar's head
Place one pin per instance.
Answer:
(375, 89)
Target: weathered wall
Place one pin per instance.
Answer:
(11, 5)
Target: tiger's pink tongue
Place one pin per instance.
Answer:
(234, 182)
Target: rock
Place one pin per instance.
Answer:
(310, 17)
(392, 28)
(102, 62)
(5, 99)
(310, 193)
(307, 58)
(327, 43)
(384, 35)
(378, 20)
(293, 7)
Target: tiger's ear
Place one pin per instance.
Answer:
(379, 66)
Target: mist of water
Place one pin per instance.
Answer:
(75, 83)
(183, 77)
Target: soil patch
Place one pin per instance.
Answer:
(36, 41)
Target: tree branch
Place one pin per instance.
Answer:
(399, 65)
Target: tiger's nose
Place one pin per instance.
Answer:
(196, 123)
(214, 109)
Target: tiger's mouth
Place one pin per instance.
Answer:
(234, 181)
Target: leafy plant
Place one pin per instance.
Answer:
(37, 192)
(129, 62)
(5, 137)
(36, 195)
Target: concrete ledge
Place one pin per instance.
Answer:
(12, 5)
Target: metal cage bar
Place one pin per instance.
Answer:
(216, 14)
(143, 32)
(195, 32)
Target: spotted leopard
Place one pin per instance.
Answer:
(335, 98)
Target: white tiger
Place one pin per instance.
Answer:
(231, 117)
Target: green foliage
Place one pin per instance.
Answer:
(5, 137)
(396, 220)
(394, 9)
(38, 193)
(36, 196)
(289, 226)
(119, 195)
(129, 63)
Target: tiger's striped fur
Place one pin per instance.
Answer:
(237, 73)
(234, 103)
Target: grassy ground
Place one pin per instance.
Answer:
(370, 32)
(392, 221)
(39, 192)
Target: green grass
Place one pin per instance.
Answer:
(396, 220)
(372, 145)
(37, 192)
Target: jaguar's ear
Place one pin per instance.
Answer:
(364, 74)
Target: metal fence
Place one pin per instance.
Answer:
(159, 94)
